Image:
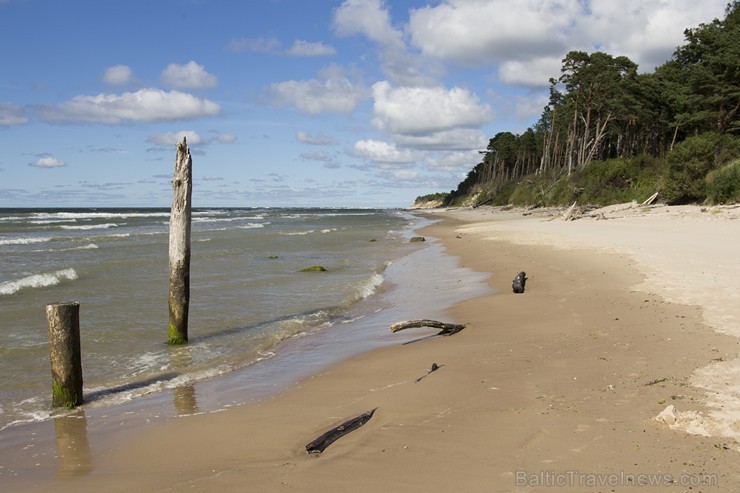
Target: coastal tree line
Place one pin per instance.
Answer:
(610, 133)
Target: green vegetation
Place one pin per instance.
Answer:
(432, 197)
(610, 134)
(723, 185)
(315, 268)
(173, 337)
(60, 396)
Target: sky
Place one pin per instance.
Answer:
(289, 103)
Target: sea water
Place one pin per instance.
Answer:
(250, 300)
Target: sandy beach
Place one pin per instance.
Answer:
(624, 314)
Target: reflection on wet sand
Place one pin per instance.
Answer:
(73, 448)
(185, 400)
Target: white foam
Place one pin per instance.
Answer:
(96, 215)
(24, 241)
(38, 281)
(370, 287)
(52, 221)
(91, 226)
(89, 246)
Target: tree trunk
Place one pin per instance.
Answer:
(65, 354)
(447, 329)
(179, 248)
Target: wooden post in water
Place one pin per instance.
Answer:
(180, 215)
(64, 353)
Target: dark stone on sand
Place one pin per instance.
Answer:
(517, 285)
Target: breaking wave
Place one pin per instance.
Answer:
(38, 281)
(24, 241)
(91, 226)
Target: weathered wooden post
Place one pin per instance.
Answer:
(64, 353)
(180, 215)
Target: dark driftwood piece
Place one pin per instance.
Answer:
(447, 329)
(657, 380)
(434, 368)
(319, 444)
(517, 285)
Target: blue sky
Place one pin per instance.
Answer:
(355, 103)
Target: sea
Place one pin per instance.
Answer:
(257, 322)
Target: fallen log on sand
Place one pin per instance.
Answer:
(447, 329)
(319, 444)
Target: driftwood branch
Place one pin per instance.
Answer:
(447, 329)
(319, 444)
(568, 216)
(650, 199)
(657, 380)
(434, 368)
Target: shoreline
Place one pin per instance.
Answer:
(562, 378)
(98, 425)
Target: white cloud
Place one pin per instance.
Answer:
(12, 114)
(189, 76)
(331, 92)
(318, 139)
(456, 162)
(405, 175)
(168, 139)
(273, 46)
(531, 106)
(456, 139)
(481, 32)
(383, 152)
(319, 155)
(535, 72)
(258, 45)
(118, 75)
(369, 18)
(171, 138)
(226, 138)
(419, 110)
(144, 105)
(648, 32)
(47, 161)
(304, 48)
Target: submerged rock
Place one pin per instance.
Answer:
(417, 238)
(315, 268)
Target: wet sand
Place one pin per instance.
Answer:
(555, 387)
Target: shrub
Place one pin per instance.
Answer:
(723, 185)
(691, 161)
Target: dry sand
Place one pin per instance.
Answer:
(557, 387)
